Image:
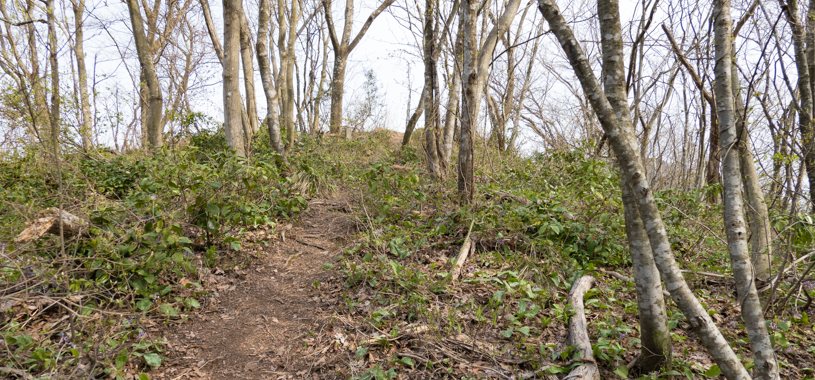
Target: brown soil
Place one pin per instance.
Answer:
(272, 320)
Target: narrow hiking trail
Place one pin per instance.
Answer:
(273, 319)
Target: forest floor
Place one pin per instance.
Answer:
(271, 317)
(200, 266)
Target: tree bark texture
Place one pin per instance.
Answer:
(634, 176)
(653, 320)
(233, 124)
(751, 310)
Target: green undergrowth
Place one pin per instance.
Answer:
(81, 308)
(159, 220)
(538, 223)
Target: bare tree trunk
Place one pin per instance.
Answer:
(453, 98)
(751, 310)
(476, 65)
(757, 210)
(213, 35)
(758, 216)
(634, 175)
(343, 46)
(247, 60)
(155, 102)
(431, 105)
(287, 31)
(653, 319)
(233, 125)
(85, 125)
(40, 115)
(262, 48)
(315, 122)
(54, 113)
(335, 124)
(414, 118)
(247, 129)
(804, 89)
(470, 98)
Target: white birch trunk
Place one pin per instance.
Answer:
(634, 175)
(751, 310)
(233, 124)
(654, 334)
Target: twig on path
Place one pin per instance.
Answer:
(286, 264)
(309, 244)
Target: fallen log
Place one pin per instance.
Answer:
(579, 335)
(49, 223)
(463, 253)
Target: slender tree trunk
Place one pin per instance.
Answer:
(54, 114)
(40, 115)
(431, 105)
(233, 125)
(654, 334)
(453, 99)
(315, 122)
(414, 118)
(85, 125)
(286, 37)
(337, 93)
(758, 216)
(804, 89)
(213, 35)
(634, 175)
(713, 159)
(476, 67)
(219, 52)
(247, 61)
(154, 102)
(810, 47)
(470, 98)
(343, 46)
(262, 48)
(751, 310)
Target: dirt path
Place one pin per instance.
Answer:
(273, 320)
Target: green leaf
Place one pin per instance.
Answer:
(213, 210)
(622, 372)
(192, 303)
(507, 333)
(407, 361)
(152, 359)
(524, 330)
(121, 359)
(713, 371)
(361, 352)
(143, 304)
(784, 325)
(168, 310)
